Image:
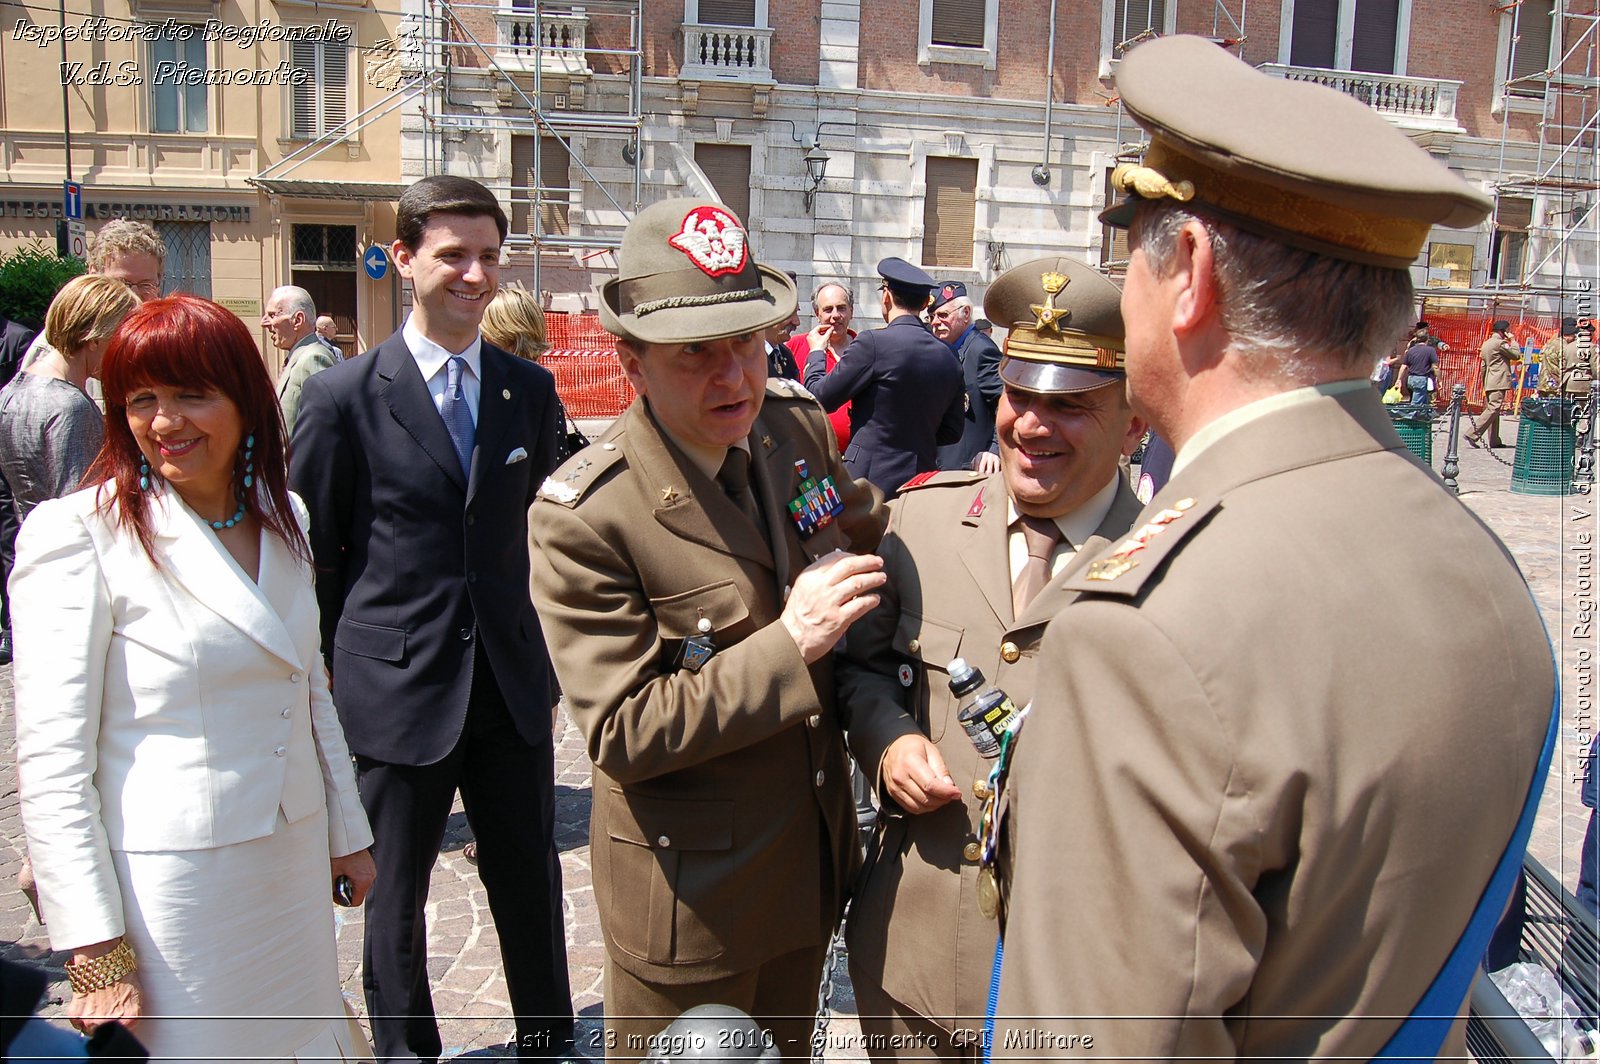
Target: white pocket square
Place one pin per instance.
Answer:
(518, 455)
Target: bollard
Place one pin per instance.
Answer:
(709, 1033)
(1452, 454)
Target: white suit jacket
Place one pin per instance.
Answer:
(177, 707)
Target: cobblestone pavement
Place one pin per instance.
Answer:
(470, 994)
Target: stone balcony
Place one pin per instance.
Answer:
(1410, 103)
(554, 40)
(739, 54)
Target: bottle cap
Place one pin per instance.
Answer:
(963, 677)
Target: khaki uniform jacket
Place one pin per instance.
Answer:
(1562, 368)
(723, 830)
(915, 922)
(1498, 353)
(1233, 814)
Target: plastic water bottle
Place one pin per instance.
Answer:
(985, 712)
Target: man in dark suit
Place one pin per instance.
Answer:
(904, 386)
(980, 369)
(418, 464)
(14, 340)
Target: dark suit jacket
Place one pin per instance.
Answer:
(904, 386)
(14, 340)
(416, 563)
(980, 370)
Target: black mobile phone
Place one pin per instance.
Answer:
(343, 893)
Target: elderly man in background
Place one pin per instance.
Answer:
(328, 332)
(951, 311)
(693, 572)
(290, 320)
(1214, 839)
(834, 308)
(976, 565)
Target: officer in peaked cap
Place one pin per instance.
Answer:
(951, 317)
(1212, 826)
(904, 386)
(976, 564)
(694, 568)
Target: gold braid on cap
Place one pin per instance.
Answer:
(1148, 183)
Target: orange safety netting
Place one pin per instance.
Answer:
(583, 357)
(1465, 334)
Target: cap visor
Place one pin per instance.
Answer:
(1119, 215)
(1049, 378)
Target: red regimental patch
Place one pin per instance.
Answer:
(976, 509)
(713, 241)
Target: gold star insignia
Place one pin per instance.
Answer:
(669, 494)
(1048, 316)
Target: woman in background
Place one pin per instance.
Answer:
(186, 789)
(514, 322)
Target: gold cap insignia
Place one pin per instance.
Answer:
(1047, 315)
(1149, 183)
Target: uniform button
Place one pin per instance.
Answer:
(821, 777)
(280, 751)
(1009, 652)
(980, 788)
(286, 711)
(466, 633)
(608, 446)
(472, 577)
(786, 589)
(814, 720)
(915, 646)
(970, 851)
(663, 841)
(294, 677)
(471, 520)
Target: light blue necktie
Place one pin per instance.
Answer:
(457, 418)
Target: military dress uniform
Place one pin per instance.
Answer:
(723, 830)
(1562, 366)
(1221, 835)
(1497, 353)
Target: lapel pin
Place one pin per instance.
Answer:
(766, 441)
(669, 494)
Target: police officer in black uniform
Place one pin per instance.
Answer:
(903, 384)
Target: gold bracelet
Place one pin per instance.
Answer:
(97, 973)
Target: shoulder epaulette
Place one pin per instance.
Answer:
(574, 477)
(1125, 567)
(941, 478)
(784, 388)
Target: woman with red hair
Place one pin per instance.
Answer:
(188, 795)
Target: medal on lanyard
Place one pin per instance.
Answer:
(989, 823)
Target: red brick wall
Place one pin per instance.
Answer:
(796, 33)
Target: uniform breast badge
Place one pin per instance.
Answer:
(697, 649)
(817, 503)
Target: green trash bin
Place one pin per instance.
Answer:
(1546, 442)
(1415, 426)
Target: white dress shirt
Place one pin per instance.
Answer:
(431, 359)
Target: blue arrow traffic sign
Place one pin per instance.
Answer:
(376, 262)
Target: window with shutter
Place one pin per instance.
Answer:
(727, 167)
(188, 262)
(555, 166)
(1376, 23)
(1130, 18)
(957, 23)
(949, 210)
(1530, 46)
(1113, 240)
(176, 104)
(522, 184)
(1313, 33)
(728, 12)
(1513, 215)
(320, 101)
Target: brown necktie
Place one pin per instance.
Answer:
(734, 476)
(1041, 536)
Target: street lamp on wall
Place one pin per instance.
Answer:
(816, 170)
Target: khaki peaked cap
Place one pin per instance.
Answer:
(1065, 322)
(1300, 163)
(687, 274)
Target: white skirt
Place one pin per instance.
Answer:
(236, 950)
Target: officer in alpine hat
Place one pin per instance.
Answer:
(693, 569)
(976, 566)
(1216, 827)
(904, 386)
